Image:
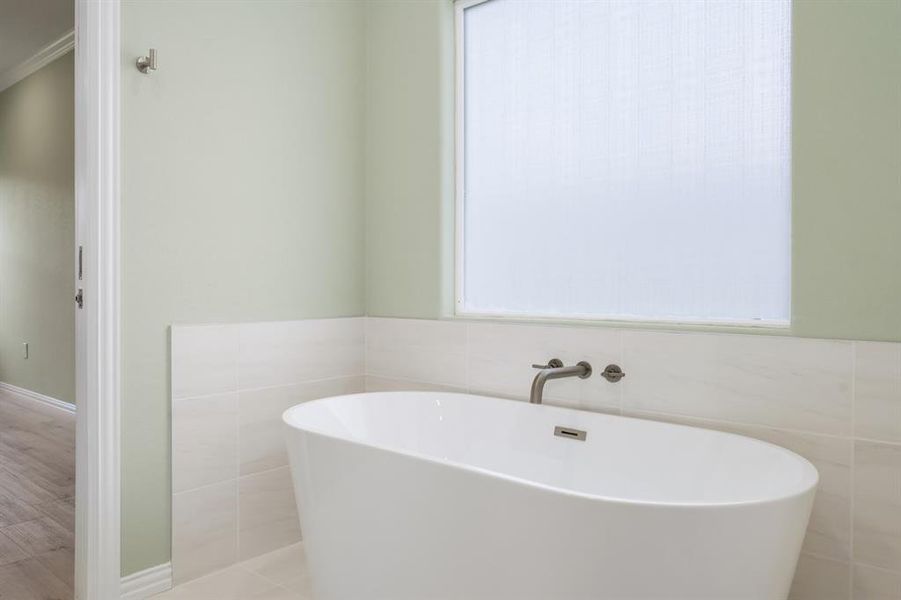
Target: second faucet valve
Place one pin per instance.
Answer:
(613, 373)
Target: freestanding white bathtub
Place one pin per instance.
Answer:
(426, 496)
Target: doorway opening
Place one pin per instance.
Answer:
(59, 299)
(37, 315)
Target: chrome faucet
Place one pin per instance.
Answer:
(554, 369)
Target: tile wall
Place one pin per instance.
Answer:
(838, 403)
(232, 497)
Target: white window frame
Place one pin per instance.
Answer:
(459, 154)
(460, 310)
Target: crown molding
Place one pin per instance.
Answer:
(42, 58)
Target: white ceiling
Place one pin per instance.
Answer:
(27, 26)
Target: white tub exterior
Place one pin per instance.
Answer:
(426, 495)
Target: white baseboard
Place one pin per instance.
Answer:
(146, 583)
(46, 400)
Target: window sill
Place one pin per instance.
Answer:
(673, 324)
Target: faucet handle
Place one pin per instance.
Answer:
(554, 363)
(613, 373)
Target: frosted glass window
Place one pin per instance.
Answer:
(625, 159)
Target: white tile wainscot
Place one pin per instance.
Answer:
(232, 494)
(838, 403)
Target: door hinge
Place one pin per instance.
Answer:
(79, 298)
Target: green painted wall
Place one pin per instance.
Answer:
(37, 231)
(847, 160)
(242, 198)
(847, 169)
(409, 157)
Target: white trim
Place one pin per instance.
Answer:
(464, 4)
(146, 583)
(459, 147)
(42, 58)
(624, 320)
(98, 55)
(37, 397)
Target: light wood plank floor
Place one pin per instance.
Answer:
(37, 507)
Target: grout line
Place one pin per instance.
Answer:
(467, 355)
(875, 441)
(622, 360)
(205, 576)
(237, 523)
(465, 387)
(824, 557)
(638, 414)
(853, 469)
(365, 348)
(240, 332)
(301, 382)
(238, 345)
(265, 387)
(204, 486)
(204, 396)
(243, 566)
(284, 466)
(848, 563)
(238, 475)
(875, 567)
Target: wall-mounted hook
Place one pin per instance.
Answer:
(146, 64)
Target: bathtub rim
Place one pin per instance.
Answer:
(786, 497)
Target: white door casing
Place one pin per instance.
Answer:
(97, 146)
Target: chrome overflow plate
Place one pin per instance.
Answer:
(613, 373)
(570, 433)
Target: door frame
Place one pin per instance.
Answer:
(98, 363)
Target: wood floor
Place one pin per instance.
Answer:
(37, 508)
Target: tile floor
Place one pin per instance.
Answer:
(278, 575)
(37, 507)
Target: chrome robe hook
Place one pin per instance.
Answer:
(146, 64)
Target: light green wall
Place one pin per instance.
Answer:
(409, 157)
(242, 197)
(37, 231)
(847, 169)
(847, 160)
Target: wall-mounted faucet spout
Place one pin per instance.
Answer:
(554, 369)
